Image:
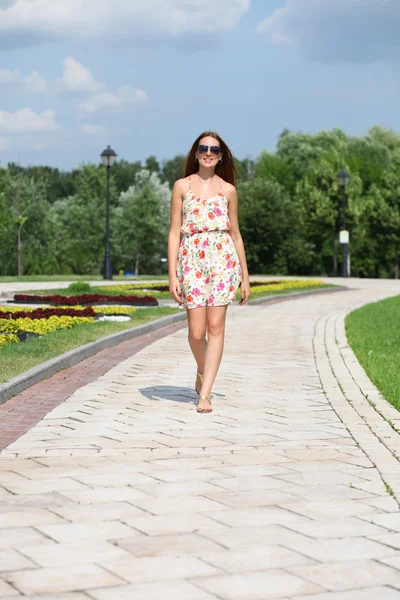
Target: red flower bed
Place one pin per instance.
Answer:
(46, 313)
(86, 299)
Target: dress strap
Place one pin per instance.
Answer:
(220, 185)
(190, 184)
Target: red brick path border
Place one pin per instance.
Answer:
(23, 411)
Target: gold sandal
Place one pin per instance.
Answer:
(201, 377)
(204, 410)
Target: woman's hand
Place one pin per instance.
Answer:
(175, 290)
(245, 292)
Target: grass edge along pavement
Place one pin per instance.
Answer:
(70, 358)
(45, 370)
(18, 358)
(375, 340)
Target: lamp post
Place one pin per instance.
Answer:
(108, 156)
(343, 179)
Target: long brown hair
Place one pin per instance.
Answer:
(226, 170)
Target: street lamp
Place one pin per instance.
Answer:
(108, 156)
(343, 179)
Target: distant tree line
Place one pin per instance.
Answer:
(290, 213)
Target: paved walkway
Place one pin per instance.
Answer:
(124, 492)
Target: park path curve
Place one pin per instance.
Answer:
(124, 492)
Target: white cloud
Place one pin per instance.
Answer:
(77, 78)
(27, 121)
(331, 31)
(91, 129)
(124, 98)
(131, 22)
(33, 83)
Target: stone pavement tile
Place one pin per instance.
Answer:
(337, 528)
(11, 560)
(104, 494)
(33, 501)
(243, 484)
(179, 505)
(348, 575)
(253, 498)
(248, 538)
(173, 490)
(257, 517)
(261, 585)
(175, 524)
(7, 591)
(393, 561)
(18, 537)
(170, 545)
(256, 559)
(389, 538)
(28, 486)
(67, 596)
(103, 530)
(389, 520)
(103, 511)
(333, 550)
(339, 509)
(371, 593)
(168, 590)
(31, 517)
(73, 553)
(388, 504)
(158, 568)
(63, 579)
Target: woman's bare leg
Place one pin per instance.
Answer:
(216, 316)
(197, 320)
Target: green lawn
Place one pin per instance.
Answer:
(166, 295)
(17, 358)
(41, 278)
(373, 332)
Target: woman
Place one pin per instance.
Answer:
(206, 257)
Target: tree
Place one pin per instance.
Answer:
(173, 169)
(142, 223)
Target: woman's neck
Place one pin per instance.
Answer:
(205, 174)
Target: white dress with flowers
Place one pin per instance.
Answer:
(208, 266)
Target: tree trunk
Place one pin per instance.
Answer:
(137, 265)
(20, 261)
(335, 255)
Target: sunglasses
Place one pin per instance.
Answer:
(202, 149)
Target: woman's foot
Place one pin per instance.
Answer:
(204, 404)
(199, 382)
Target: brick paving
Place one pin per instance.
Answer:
(122, 491)
(24, 410)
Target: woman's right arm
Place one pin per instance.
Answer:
(174, 239)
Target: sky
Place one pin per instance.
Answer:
(148, 76)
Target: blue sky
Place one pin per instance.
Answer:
(147, 76)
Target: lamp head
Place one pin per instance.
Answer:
(343, 178)
(108, 156)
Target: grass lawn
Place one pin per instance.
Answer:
(166, 295)
(373, 332)
(40, 278)
(17, 358)
(255, 295)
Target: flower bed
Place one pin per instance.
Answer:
(46, 313)
(286, 285)
(86, 299)
(20, 323)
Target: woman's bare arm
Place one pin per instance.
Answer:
(232, 198)
(174, 239)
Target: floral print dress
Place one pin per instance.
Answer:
(208, 266)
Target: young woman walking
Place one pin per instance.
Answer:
(206, 257)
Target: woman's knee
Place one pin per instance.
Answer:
(197, 335)
(216, 328)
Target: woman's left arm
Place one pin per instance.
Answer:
(234, 231)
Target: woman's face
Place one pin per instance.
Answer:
(208, 152)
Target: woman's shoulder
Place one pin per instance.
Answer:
(228, 188)
(181, 184)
